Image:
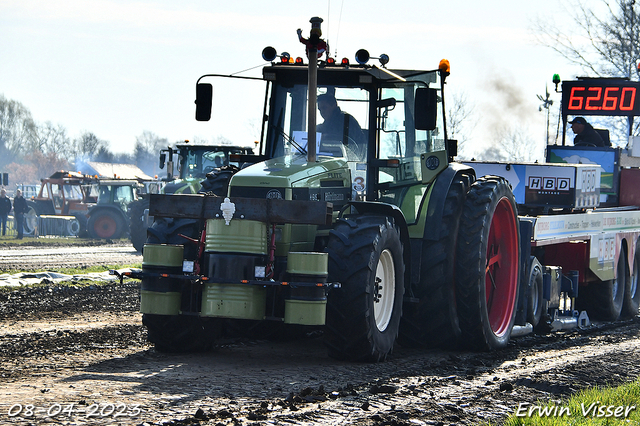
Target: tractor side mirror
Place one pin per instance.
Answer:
(5, 179)
(426, 108)
(204, 96)
(163, 158)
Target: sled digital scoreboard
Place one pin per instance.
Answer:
(601, 97)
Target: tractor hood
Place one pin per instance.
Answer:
(295, 179)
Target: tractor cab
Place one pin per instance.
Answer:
(378, 132)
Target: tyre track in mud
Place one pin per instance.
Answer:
(86, 346)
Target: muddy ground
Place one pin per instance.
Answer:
(78, 355)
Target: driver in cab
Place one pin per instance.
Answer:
(339, 125)
(586, 135)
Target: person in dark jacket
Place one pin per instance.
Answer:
(339, 125)
(586, 135)
(19, 209)
(5, 208)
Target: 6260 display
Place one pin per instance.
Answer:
(600, 97)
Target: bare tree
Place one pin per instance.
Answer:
(46, 164)
(601, 44)
(146, 151)
(54, 140)
(87, 146)
(17, 130)
(460, 119)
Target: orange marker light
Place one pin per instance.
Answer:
(445, 66)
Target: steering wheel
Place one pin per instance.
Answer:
(355, 148)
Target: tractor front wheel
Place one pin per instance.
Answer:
(487, 261)
(181, 333)
(363, 315)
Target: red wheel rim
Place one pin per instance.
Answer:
(105, 226)
(501, 273)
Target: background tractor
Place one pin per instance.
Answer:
(201, 167)
(109, 217)
(63, 194)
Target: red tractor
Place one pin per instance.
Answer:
(63, 193)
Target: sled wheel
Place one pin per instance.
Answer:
(433, 321)
(487, 261)
(363, 316)
(535, 302)
(632, 292)
(605, 299)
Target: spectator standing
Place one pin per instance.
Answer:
(19, 209)
(5, 208)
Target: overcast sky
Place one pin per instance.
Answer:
(118, 68)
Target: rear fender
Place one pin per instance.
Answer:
(438, 196)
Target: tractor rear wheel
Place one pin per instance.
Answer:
(217, 181)
(105, 224)
(433, 321)
(169, 231)
(631, 291)
(487, 261)
(363, 316)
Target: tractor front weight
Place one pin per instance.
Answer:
(237, 274)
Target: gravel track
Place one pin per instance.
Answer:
(84, 349)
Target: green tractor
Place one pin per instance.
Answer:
(354, 225)
(201, 167)
(198, 163)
